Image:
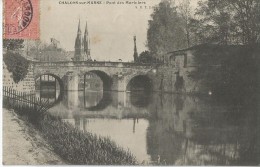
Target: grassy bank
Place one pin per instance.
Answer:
(73, 145)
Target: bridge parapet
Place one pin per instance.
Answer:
(96, 64)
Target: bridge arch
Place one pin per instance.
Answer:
(106, 79)
(140, 87)
(61, 87)
(140, 82)
(61, 83)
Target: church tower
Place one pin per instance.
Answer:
(82, 49)
(77, 46)
(135, 50)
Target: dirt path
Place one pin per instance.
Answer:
(22, 144)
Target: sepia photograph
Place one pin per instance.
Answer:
(131, 82)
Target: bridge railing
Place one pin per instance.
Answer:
(97, 64)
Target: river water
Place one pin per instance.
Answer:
(165, 128)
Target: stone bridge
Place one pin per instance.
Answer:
(115, 75)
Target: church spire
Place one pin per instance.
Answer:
(86, 43)
(135, 50)
(86, 29)
(79, 30)
(86, 39)
(78, 44)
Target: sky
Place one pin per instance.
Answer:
(111, 27)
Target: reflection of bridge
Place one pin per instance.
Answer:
(200, 131)
(115, 75)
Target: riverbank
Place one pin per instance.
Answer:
(71, 144)
(23, 145)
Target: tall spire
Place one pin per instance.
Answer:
(78, 44)
(86, 28)
(85, 39)
(79, 31)
(135, 50)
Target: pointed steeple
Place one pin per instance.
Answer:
(85, 40)
(79, 30)
(78, 44)
(135, 50)
(86, 29)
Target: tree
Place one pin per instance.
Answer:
(35, 47)
(185, 12)
(229, 72)
(146, 57)
(13, 44)
(229, 21)
(17, 65)
(165, 31)
(247, 14)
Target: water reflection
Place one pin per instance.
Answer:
(51, 95)
(166, 128)
(97, 101)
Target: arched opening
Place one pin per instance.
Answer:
(49, 87)
(96, 86)
(97, 80)
(140, 83)
(140, 89)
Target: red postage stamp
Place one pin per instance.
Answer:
(21, 19)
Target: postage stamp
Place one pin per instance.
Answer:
(21, 19)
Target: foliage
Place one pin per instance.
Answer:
(146, 57)
(215, 21)
(228, 71)
(184, 9)
(13, 44)
(227, 21)
(165, 32)
(17, 65)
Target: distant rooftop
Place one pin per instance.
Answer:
(208, 46)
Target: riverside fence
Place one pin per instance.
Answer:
(23, 101)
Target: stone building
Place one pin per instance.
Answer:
(181, 58)
(49, 53)
(174, 75)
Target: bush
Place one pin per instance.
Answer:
(17, 65)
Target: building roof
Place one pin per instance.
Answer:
(207, 46)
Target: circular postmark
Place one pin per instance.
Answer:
(18, 15)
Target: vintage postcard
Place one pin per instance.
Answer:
(131, 82)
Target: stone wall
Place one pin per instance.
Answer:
(167, 78)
